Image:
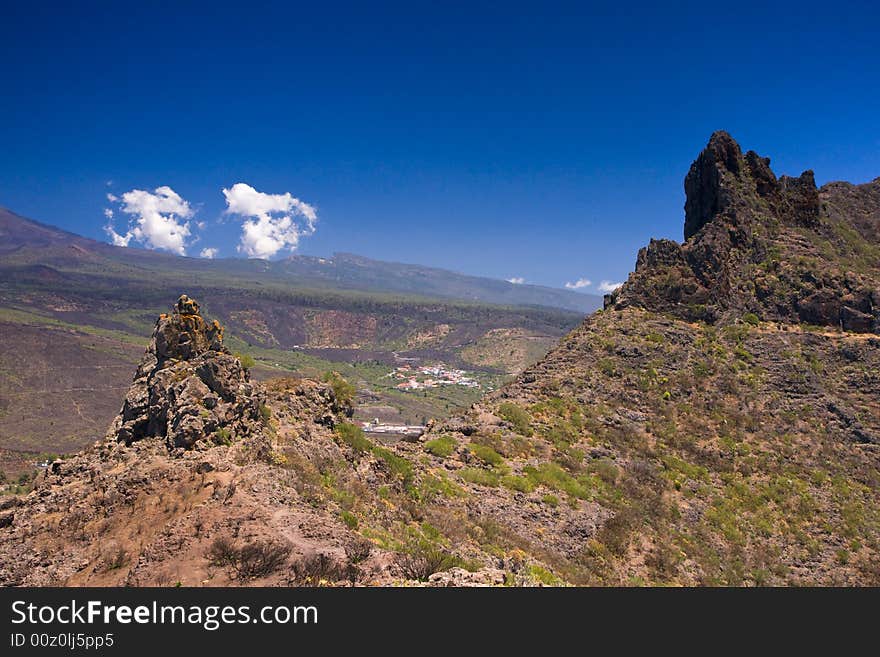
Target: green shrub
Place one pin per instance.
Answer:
(432, 487)
(751, 318)
(265, 412)
(480, 476)
(517, 417)
(349, 519)
(342, 389)
(223, 436)
(486, 454)
(521, 484)
(743, 354)
(442, 446)
(353, 436)
(550, 500)
(544, 576)
(606, 470)
(553, 476)
(247, 361)
(606, 366)
(398, 465)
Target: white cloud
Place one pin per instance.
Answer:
(579, 283)
(116, 238)
(208, 252)
(607, 287)
(158, 219)
(108, 213)
(516, 280)
(270, 225)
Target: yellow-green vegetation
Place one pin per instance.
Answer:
(353, 436)
(349, 519)
(751, 319)
(486, 454)
(342, 389)
(544, 576)
(441, 447)
(517, 416)
(517, 483)
(223, 436)
(397, 465)
(480, 476)
(554, 476)
(436, 485)
(247, 361)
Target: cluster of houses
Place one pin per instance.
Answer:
(431, 376)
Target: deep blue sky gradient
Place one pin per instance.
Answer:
(546, 140)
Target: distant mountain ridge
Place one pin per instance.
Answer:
(343, 271)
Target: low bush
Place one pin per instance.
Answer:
(486, 454)
(521, 484)
(315, 569)
(441, 447)
(342, 389)
(517, 417)
(423, 562)
(480, 476)
(349, 519)
(398, 465)
(256, 559)
(353, 436)
(553, 476)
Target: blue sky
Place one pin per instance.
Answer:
(544, 141)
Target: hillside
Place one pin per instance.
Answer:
(719, 422)
(68, 300)
(697, 431)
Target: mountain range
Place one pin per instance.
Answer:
(25, 242)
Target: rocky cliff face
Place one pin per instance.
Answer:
(778, 248)
(188, 387)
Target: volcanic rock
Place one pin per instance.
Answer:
(777, 248)
(188, 387)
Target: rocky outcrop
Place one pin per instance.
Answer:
(755, 243)
(188, 387)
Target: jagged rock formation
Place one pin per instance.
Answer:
(188, 387)
(779, 248)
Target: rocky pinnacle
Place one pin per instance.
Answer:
(188, 387)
